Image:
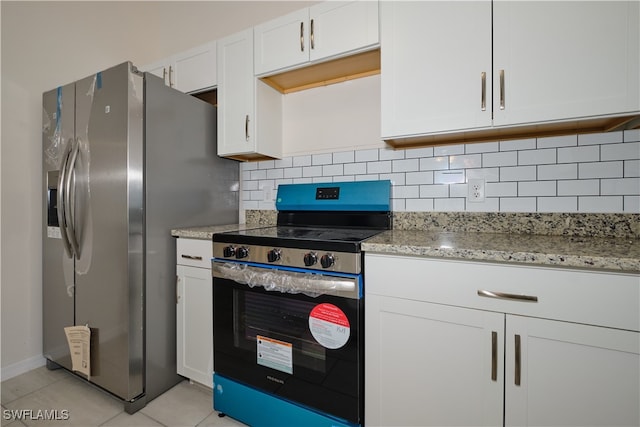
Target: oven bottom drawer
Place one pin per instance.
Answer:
(260, 409)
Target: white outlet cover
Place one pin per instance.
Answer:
(475, 190)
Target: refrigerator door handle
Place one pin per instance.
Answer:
(62, 189)
(71, 232)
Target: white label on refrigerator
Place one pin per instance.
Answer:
(54, 232)
(329, 325)
(275, 354)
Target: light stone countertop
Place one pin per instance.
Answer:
(206, 232)
(613, 254)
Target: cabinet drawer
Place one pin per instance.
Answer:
(582, 296)
(194, 252)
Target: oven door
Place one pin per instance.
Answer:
(307, 349)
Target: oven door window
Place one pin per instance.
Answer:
(264, 339)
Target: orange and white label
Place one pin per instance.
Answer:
(329, 326)
(274, 354)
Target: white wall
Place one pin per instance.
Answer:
(47, 44)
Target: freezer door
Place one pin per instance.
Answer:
(108, 226)
(58, 124)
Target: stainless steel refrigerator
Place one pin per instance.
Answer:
(125, 160)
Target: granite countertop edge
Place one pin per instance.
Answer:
(594, 253)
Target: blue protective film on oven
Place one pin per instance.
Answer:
(259, 409)
(371, 196)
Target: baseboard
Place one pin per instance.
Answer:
(21, 367)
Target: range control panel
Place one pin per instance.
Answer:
(343, 262)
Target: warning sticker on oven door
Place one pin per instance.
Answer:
(275, 354)
(329, 325)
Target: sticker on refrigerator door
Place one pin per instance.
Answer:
(275, 354)
(329, 326)
(54, 233)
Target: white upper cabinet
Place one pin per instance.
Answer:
(241, 98)
(564, 60)
(326, 30)
(434, 55)
(480, 65)
(190, 71)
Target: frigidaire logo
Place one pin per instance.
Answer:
(275, 380)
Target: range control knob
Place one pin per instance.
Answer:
(274, 255)
(242, 252)
(310, 259)
(327, 260)
(228, 251)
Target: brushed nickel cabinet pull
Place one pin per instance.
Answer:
(177, 289)
(246, 128)
(302, 37)
(502, 90)
(193, 257)
(483, 95)
(494, 356)
(507, 296)
(313, 44)
(170, 72)
(164, 75)
(518, 365)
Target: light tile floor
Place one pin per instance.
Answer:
(185, 405)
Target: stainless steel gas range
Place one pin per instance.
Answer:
(288, 307)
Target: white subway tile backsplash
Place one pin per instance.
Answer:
(483, 147)
(537, 188)
(579, 154)
(379, 167)
(408, 165)
(601, 170)
(465, 161)
(507, 158)
(344, 157)
(322, 159)
(562, 171)
(625, 151)
(518, 173)
(557, 204)
(537, 157)
(519, 144)
(584, 187)
(558, 141)
(302, 161)
(586, 173)
(434, 163)
(355, 168)
(366, 155)
(387, 154)
(449, 177)
(448, 150)
(621, 186)
(602, 204)
(631, 168)
(433, 191)
(631, 204)
(518, 204)
(419, 178)
(600, 138)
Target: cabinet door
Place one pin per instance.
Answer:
(282, 42)
(432, 365)
(195, 69)
(160, 69)
(565, 59)
(236, 89)
(341, 27)
(571, 374)
(194, 311)
(433, 58)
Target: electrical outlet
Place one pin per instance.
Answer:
(476, 190)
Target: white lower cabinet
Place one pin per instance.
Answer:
(194, 310)
(489, 362)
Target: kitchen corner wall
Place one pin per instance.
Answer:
(594, 173)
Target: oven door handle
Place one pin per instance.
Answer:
(287, 281)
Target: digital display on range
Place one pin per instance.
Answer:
(327, 193)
